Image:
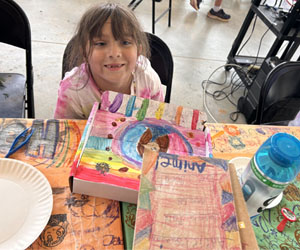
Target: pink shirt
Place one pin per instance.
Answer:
(78, 91)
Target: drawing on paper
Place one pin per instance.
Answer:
(185, 202)
(112, 146)
(114, 150)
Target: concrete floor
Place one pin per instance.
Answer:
(199, 46)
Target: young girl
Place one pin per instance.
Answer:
(109, 51)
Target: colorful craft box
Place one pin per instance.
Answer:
(109, 159)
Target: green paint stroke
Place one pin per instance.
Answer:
(144, 195)
(143, 110)
(146, 185)
(144, 201)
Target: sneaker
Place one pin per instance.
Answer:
(218, 15)
(195, 4)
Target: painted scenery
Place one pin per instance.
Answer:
(114, 151)
(112, 147)
(185, 202)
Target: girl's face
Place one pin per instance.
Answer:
(112, 62)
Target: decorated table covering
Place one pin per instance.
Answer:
(230, 141)
(77, 221)
(84, 222)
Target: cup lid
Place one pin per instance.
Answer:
(285, 149)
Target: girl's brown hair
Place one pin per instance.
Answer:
(123, 23)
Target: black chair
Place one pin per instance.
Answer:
(161, 61)
(66, 64)
(16, 90)
(279, 100)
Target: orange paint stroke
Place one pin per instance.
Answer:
(220, 133)
(222, 111)
(149, 161)
(231, 130)
(178, 114)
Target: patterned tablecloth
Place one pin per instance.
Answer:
(231, 141)
(83, 222)
(77, 221)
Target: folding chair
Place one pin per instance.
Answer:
(279, 100)
(161, 61)
(134, 3)
(16, 90)
(66, 64)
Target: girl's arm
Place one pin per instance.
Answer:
(67, 106)
(149, 84)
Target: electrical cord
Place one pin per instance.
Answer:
(217, 94)
(220, 84)
(260, 42)
(234, 115)
(221, 94)
(235, 85)
(253, 26)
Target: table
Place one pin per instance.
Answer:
(77, 221)
(85, 222)
(231, 141)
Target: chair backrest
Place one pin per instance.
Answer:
(161, 61)
(66, 66)
(15, 30)
(279, 99)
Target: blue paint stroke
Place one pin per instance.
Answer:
(230, 224)
(113, 108)
(260, 131)
(50, 126)
(130, 137)
(145, 233)
(130, 106)
(226, 197)
(223, 164)
(98, 143)
(236, 142)
(181, 164)
(43, 136)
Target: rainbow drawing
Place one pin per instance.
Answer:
(120, 130)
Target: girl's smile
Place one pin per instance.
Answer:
(114, 67)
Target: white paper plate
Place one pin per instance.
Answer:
(240, 164)
(25, 204)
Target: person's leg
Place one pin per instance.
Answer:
(217, 5)
(217, 13)
(195, 4)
